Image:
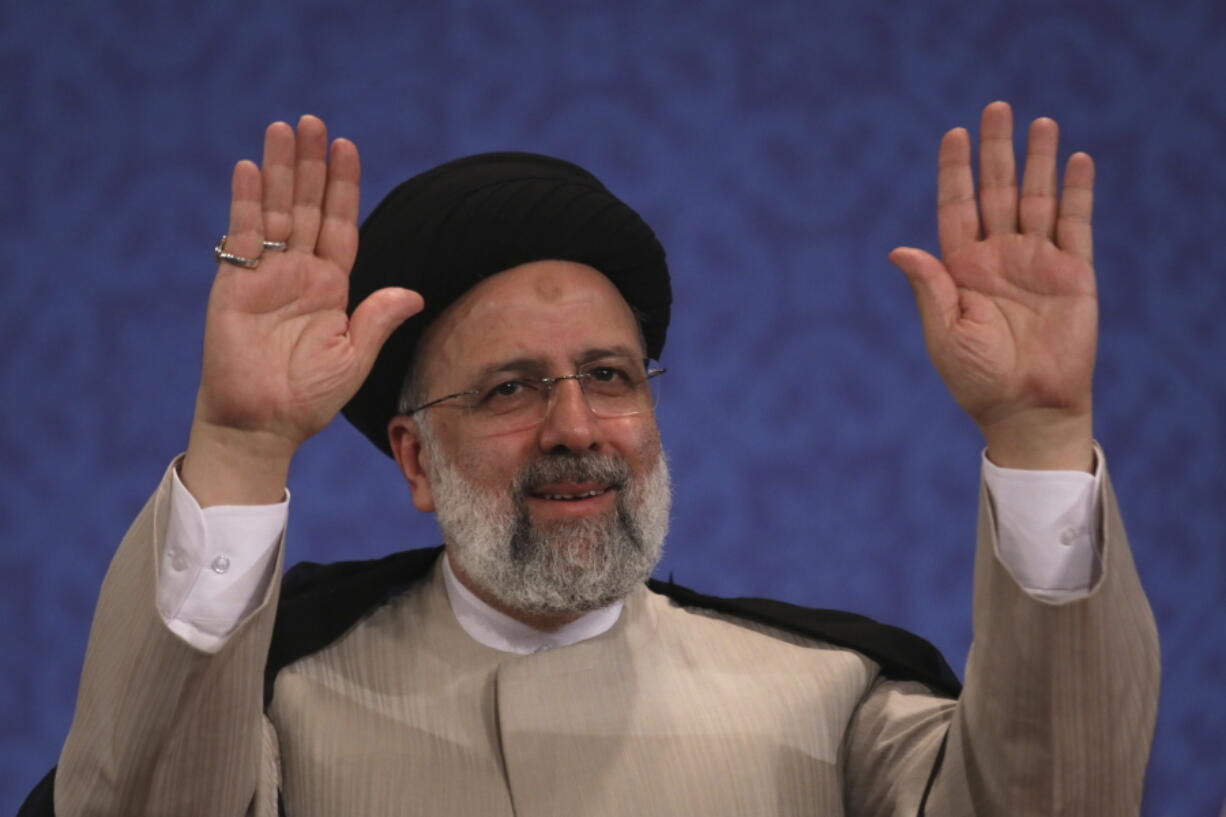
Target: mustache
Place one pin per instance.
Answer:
(606, 470)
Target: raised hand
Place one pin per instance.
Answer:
(281, 356)
(1010, 311)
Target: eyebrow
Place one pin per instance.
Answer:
(537, 367)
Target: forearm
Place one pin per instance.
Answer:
(161, 727)
(1060, 700)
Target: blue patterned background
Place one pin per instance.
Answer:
(779, 149)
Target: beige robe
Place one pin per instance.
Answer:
(672, 711)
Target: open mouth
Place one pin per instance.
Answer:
(570, 496)
(571, 492)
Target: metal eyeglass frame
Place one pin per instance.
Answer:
(547, 382)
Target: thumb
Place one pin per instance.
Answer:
(936, 296)
(379, 314)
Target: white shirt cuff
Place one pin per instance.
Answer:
(216, 565)
(1047, 528)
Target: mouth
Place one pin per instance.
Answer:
(573, 499)
(569, 495)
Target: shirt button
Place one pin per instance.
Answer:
(220, 565)
(177, 560)
(1068, 536)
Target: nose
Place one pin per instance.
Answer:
(569, 424)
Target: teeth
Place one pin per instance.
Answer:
(587, 495)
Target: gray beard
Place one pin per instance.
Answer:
(563, 565)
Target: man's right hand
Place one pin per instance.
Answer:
(281, 356)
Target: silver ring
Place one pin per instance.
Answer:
(279, 246)
(219, 253)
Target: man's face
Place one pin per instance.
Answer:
(565, 514)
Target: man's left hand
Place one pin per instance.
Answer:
(1010, 311)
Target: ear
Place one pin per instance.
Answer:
(405, 440)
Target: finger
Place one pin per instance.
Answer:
(338, 234)
(377, 317)
(1073, 232)
(957, 212)
(997, 174)
(1038, 204)
(277, 171)
(936, 295)
(245, 233)
(310, 172)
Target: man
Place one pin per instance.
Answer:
(530, 671)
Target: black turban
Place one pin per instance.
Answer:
(445, 230)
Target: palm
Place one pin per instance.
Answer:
(1027, 317)
(281, 355)
(1010, 312)
(277, 346)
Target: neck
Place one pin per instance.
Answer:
(545, 622)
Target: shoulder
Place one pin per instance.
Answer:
(902, 655)
(319, 602)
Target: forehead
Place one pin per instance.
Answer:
(553, 311)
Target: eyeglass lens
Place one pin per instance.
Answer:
(612, 388)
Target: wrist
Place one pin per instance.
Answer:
(227, 466)
(1042, 440)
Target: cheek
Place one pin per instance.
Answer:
(637, 439)
(492, 462)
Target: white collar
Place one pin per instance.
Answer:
(498, 630)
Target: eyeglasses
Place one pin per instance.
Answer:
(613, 387)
